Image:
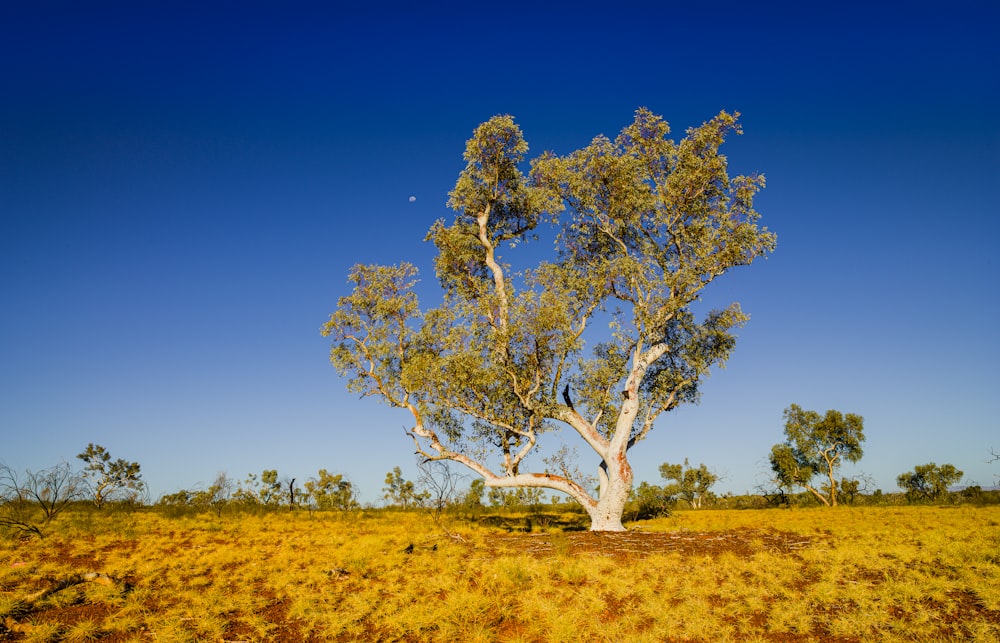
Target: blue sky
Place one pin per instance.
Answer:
(184, 188)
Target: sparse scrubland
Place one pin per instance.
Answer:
(913, 573)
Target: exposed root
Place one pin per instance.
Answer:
(27, 604)
(70, 581)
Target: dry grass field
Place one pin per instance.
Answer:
(848, 574)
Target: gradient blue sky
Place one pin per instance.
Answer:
(183, 189)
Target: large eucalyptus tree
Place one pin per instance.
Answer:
(597, 341)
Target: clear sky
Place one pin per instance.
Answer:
(184, 188)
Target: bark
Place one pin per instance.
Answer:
(830, 464)
(606, 515)
(818, 495)
(616, 473)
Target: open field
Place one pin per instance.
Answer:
(848, 574)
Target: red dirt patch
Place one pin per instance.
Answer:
(631, 544)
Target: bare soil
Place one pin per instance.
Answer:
(631, 544)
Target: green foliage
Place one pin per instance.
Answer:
(332, 491)
(644, 224)
(265, 490)
(928, 481)
(216, 497)
(473, 498)
(520, 498)
(110, 479)
(648, 501)
(816, 444)
(849, 490)
(693, 485)
(400, 492)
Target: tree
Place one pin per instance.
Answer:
(816, 444)
(288, 484)
(693, 485)
(216, 497)
(439, 482)
(473, 498)
(649, 501)
(643, 225)
(401, 492)
(47, 492)
(849, 489)
(928, 481)
(110, 479)
(266, 490)
(332, 491)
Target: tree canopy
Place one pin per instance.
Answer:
(692, 484)
(928, 481)
(816, 444)
(598, 340)
(110, 478)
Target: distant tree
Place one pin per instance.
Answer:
(516, 351)
(972, 493)
(32, 501)
(693, 485)
(215, 497)
(265, 490)
(849, 490)
(816, 444)
(400, 492)
(178, 498)
(515, 498)
(332, 491)
(110, 479)
(776, 492)
(473, 498)
(270, 489)
(291, 492)
(649, 501)
(439, 481)
(928, 481)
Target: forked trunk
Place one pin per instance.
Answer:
(616, 484)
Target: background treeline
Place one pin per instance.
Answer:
(31, 500)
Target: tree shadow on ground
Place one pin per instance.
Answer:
(536, 521)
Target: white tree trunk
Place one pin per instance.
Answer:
(616, 485)
(607, 515)
(616, 473)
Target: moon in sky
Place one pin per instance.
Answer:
(412, 199)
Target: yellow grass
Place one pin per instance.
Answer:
(846, 574)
